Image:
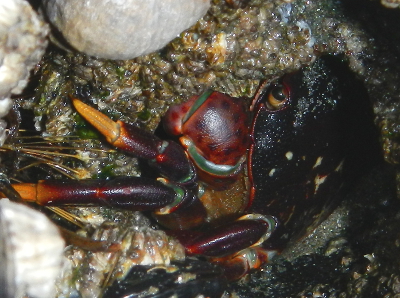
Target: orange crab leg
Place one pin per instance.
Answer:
(123, 192)
(174, 206)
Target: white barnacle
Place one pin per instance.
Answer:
(319, 180)
(390, 3)
(318, 162)
(305, 28)
(31, 252)
(272, 172)
(285, 10)
(289, 155)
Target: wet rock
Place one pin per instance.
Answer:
(361, 262)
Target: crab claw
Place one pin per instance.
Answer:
(166, 156)
(118, 133)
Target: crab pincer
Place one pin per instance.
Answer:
(166, 156)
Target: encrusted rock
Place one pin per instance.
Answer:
(122, 29)
(138, 243)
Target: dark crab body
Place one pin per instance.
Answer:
(295, 146)
(299, 148)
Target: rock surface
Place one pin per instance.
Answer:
(116, 29)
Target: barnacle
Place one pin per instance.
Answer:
(31, 252)
(89, 273)
(391, 3)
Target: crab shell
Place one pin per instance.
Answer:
(214, 130)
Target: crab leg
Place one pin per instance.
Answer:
(174, 204)
(167, 157)
(230, 238)
(235, 246)
(238, 265)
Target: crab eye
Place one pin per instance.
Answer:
(277, 97)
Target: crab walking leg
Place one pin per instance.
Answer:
(238, 265)
(235, 246)
(167, 157)
(174, 206)
(177, 206)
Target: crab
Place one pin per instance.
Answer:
(243, 183)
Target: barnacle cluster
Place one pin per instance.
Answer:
(229, 50)
(22, 44)
(87, 274)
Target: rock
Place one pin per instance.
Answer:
(117, 29)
